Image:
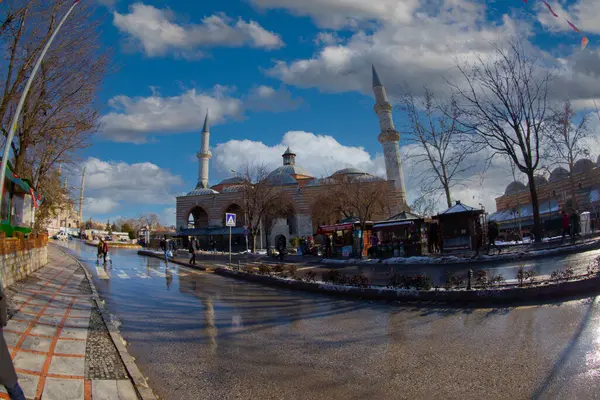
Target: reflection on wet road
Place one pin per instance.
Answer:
(201, 336)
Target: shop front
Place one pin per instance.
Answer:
(403, 235)
(19, 200)
(458, 226)
(346, 238)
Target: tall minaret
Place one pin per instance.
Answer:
(203, 156)
(389, 138)
(81, 196)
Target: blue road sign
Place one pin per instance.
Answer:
(229, 219)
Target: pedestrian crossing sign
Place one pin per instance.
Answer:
(229, 219)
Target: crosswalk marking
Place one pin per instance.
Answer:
(162, 275)
(102, 273)
(143, 276)
(122, 275)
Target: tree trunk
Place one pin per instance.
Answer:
(254, 232)
(448, 199)
(537, 226)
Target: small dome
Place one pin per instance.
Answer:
(284, 175)
(199, 191)
(514, 187)
(539, 180)
(349, 171)
(558, 174)
(582, 166)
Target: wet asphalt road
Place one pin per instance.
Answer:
(201, 336)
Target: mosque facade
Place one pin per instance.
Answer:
(514, 209)
(201, 212)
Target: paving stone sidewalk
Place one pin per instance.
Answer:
(60, 346)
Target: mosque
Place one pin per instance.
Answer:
(201, 212)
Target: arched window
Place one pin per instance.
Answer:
(198, 218)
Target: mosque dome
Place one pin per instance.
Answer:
(287, 174)
(514, 187)
(539, 180)
(582, 166)
(558, 174)
(349, 171)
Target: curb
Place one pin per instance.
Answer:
(552, 292)
(139, 382)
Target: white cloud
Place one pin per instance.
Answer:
(266, 98)
(321, 155)
(157, 32)
(116, 185)
(134, 118)
(167, 216)
(102, 205)
(339, 13)
(327, 38)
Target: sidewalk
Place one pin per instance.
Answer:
(60, 346)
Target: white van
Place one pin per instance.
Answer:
(62, 235)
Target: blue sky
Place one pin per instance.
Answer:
(278, 73)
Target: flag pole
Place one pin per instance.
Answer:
(15, 120)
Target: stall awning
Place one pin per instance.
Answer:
(216, 231)
(393, 223)
(335, 228)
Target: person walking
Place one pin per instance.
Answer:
(100, 250)
(105, 251)
(192, 250)
(327, 246)
(565, 225)
(8, 375)
(493, 232)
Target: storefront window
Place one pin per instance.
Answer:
(17, 210)
(5, 201)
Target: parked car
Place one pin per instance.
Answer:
(62, 235)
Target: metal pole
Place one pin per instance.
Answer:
(246, 233)
(15, 120)
(230, 246)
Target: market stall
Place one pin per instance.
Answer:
(458, 227)
(19, 199)
(346, 238)
(402, 235)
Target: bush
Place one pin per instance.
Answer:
(556, 276)
(360, 280)
(250, 269)
(279, 268)
(310, 276)
(496, 280)
(333, 276)
(265, 269)
(568, 273)
(481, 279)
(523, 275)
(594, 268)
(420, 282)
(396, 280)
(450, 276)
(292, 270)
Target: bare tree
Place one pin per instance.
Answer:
(504, 104)
(425, 204)
(59, 113)
(567, 141)
(365, 201)
(262, 198)
(440, 143)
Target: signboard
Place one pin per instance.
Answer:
(229, 219)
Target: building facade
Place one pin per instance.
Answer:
(555, 194)
(201, 212)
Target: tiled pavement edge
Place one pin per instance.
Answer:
(110, 322)
(53, 338)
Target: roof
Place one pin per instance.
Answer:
(459, 208)
(200, 191)
(289, 152)
(403, 218)
(205, 127)
(348, 171)
(558, 174)
(376, 80)
(231, 181)
(583, 165)
(283, 174)
(514, 187)
(524, 211)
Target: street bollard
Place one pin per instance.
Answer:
(470, 275)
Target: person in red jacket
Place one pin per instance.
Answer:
(105, 250)
(565, 224)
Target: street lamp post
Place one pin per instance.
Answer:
(15, 120)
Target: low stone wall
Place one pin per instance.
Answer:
(20, 257)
